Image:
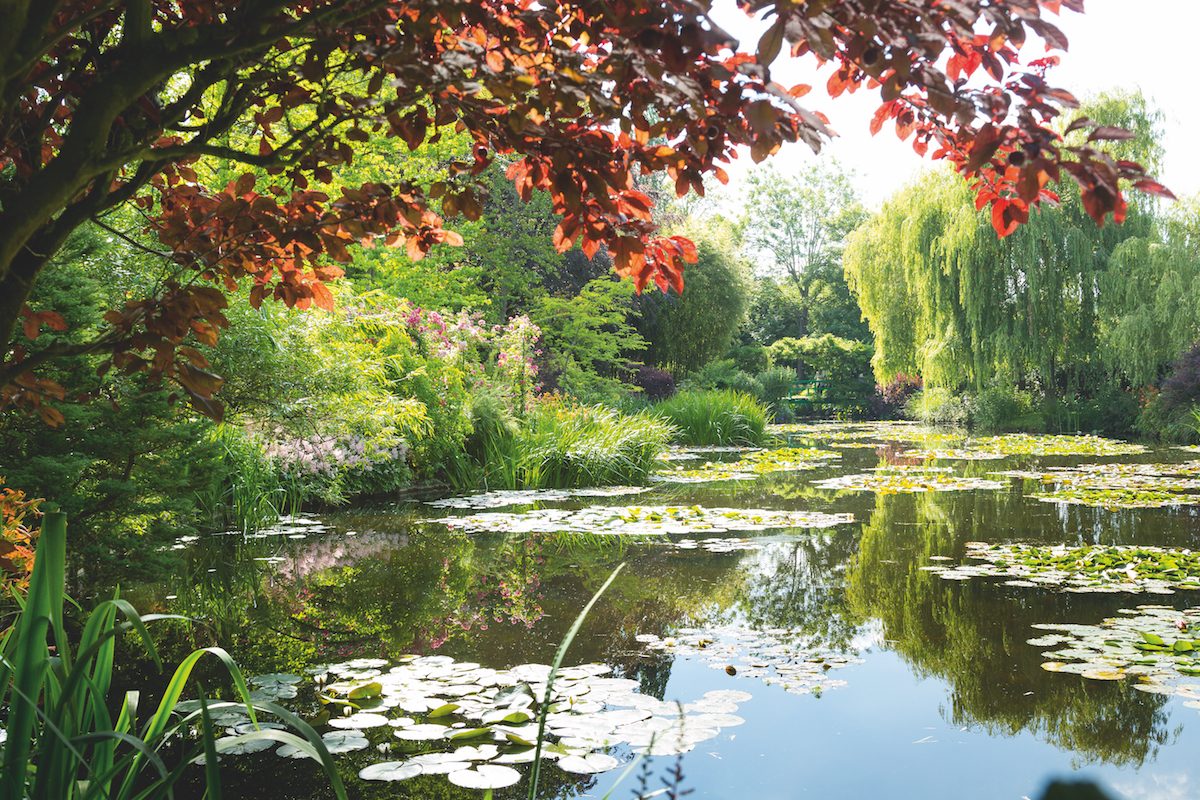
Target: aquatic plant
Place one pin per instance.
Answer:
(1028, 444)
(721, 418)
(1118, 485)
(565, 444)
(1155, 646)
(770, 655)
(751, 465)
(644, 520)
(63, 743)
(1117, 568)
(896, 479)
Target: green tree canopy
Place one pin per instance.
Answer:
(687, 331)
(797, 227)
(948, 300)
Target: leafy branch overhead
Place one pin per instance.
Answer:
(110, 105)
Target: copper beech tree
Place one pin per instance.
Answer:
(111, 103)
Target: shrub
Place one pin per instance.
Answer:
(16, 540)
(936, 406)
(777, 384)
(891, 399)
(656, 384)
(996, 408)
(1181, 389)
(742, 383)
(1168, 414)
(713, 375)
(716, 418)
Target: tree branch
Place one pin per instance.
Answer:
(109, 343)
(130, 240)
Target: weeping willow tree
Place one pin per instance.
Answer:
(948, 300)
(1149, 299)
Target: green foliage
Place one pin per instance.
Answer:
(588, 341)
(777, 384)
(63, 741)
(996, 408)
(827, 357)
(750, 358)
(126, 462)
(800, 224)
(565, 444)
(1061, 304)
(687, 331)
(937, 406)
(716, 418)
(713, 375)
(1149, 298)
(776, 311)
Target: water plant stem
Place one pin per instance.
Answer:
(558, 659)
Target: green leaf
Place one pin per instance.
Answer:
(366, 690)
(469, 733)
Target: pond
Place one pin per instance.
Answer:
(863, 610)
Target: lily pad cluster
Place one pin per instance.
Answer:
(768, 655)
(645, 520)
(473, 724)
(895, 481)
(717, 545)
(752, 465)
(1156, 646)
(1027, 444)
(955, 454)
(1118, 485)
(898, 431)
(1117, 568)
(516, 497)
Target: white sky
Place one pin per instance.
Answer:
(1145, 44)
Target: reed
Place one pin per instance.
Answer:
(716, 418)
(565, 445)
(63, 744)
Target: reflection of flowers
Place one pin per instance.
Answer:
(510, 591)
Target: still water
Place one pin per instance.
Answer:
(864, 671)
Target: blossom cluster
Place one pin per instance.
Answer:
(328, 456)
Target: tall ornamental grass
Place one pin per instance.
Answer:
(63, 741)
(563, 444)
(716, 418)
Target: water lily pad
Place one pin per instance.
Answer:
(514, 497)
(359, 720)
(390, 771)
(250, 727)
(485, 776)
(344, 741)
(785, 663)
(276, 679)
(1126, 568)
(589, 764)
(239, 745)
(440, 763)
(421, 732)
(908, 481)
